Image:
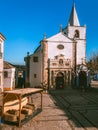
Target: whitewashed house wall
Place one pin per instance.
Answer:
(9, 77)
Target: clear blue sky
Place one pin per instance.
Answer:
(24, 22)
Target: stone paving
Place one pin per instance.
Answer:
(68, 109)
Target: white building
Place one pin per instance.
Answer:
(9, 76)
(56, 57)
(2, 39)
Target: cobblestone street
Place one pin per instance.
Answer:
(68, 109)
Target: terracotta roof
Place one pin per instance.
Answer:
(8, 65)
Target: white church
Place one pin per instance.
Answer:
(58, 56)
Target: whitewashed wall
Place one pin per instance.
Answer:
(56, 40)
(36, 68)
(81, 41)
(9, 82)
(81, 51)
(81, 29)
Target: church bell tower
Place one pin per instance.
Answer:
(77, 33)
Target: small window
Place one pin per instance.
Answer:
(67, 63)
(76, 35)
(61, 61)
(54, 64)
(35, 59)
(35, 75)
(60, 46)
(5, 74)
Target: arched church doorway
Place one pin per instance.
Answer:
(59, 80)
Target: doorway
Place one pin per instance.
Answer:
(59, 80)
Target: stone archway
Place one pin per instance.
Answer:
(59, 80)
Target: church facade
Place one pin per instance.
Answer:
(57, 57)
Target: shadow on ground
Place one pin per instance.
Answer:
(80, 107)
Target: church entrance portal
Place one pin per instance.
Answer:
(59, 81)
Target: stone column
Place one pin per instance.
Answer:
(70, 77)
(74, 60)
(74, 56)
(65, 77)
(44, 61)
